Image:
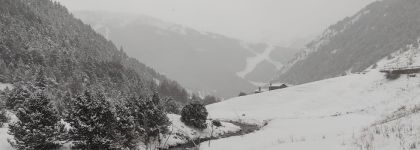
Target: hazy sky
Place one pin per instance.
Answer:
(278, 21)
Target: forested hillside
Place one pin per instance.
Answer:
(357, 42)
(40, 35)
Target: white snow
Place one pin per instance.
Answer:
(4, 145)
(5, 85)
(400, 131)
(325, 115)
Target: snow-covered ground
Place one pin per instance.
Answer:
(5, 85)
(180, 133)
(397, 131)
(4, 145)
(326, 115)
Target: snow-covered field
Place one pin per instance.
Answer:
(332, 114)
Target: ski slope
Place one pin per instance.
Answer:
(331, 114)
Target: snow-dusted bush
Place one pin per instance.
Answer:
(194, 115)
(216, 123)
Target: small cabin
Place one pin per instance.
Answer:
(277, 86)
(270, 87)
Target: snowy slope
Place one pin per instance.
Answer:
(327, 114)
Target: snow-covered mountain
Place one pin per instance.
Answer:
(200, 61)
(362, 111)
(356, 42)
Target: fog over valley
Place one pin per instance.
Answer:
(273, 21)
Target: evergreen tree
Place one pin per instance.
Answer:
(156, 98)
(38, 127)
(93, 122)
(40, 80)
(17, 97)
(150, 119)
(127, 134)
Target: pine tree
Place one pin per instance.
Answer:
(150, 119)
(155, 121)
(127, 134)
(156, 98)
(17, 97)
(93, 122)
(38, 126)
(40, 80)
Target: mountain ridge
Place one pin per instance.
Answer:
(356, 42)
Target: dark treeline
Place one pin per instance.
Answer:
(93, 120)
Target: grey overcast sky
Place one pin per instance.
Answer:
(275, 21)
